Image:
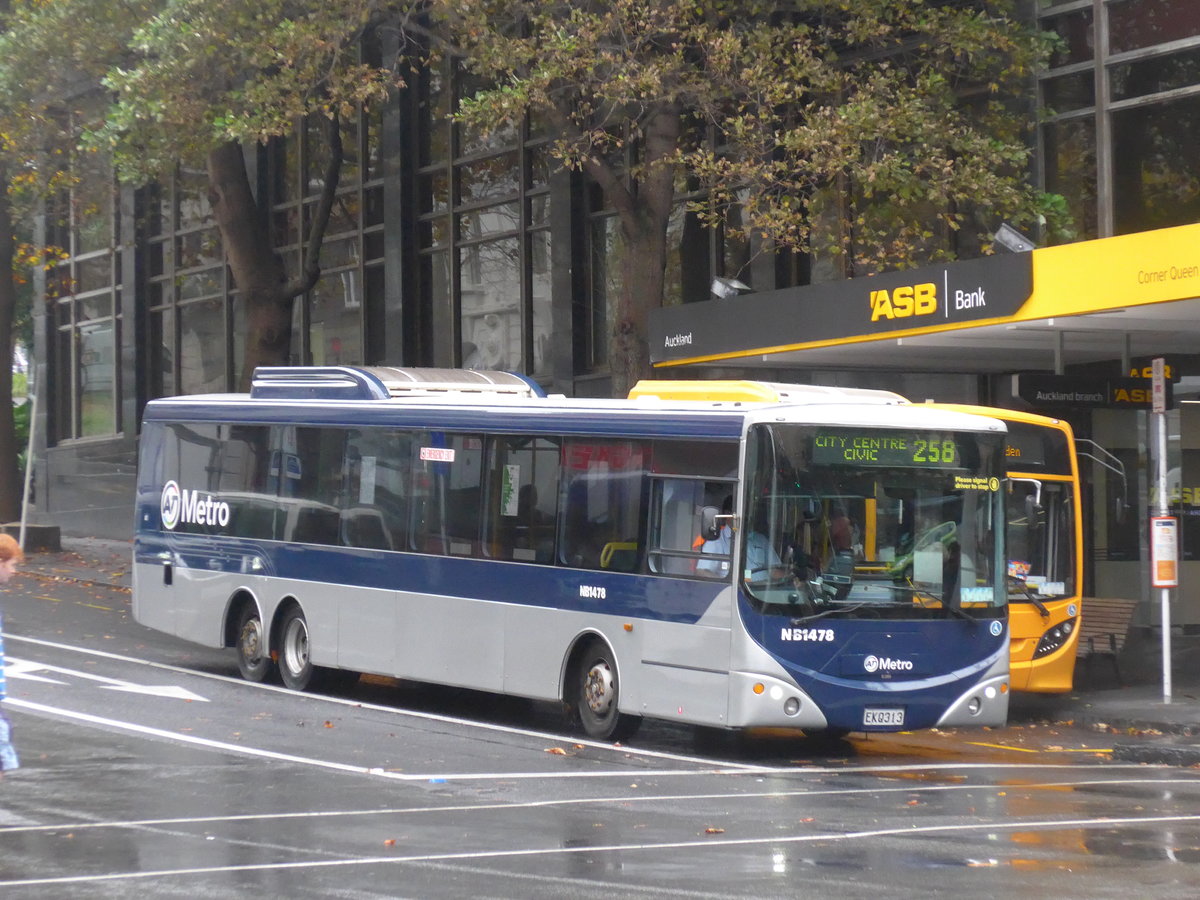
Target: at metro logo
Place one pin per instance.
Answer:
(904, 302)
(184, 507)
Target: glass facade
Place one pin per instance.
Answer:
(186, 286)
(329, 322)
(484, 234)
(1123, 102)
(83, 295)
(1123, 98)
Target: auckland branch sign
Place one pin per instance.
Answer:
(930, 298)
(1041, 391)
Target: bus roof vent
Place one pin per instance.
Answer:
(383, 382)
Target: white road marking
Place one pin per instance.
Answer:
(166, 690)
(23, 669)
(624, 750)
(241, 749)
(112, 684)
(629, 800)
(707, 766)
(707, 843)
(712, 769)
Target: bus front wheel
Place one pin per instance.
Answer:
(596, 695)
(253, 661)
(295, 666)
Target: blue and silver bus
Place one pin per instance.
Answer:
(812, 558)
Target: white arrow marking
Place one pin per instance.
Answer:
(22, 669)
(16, 668)
(166, 690)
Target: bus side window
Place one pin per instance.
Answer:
(447, 494)
(314, 481)
(233, 463)
(678, 545)
(375, 501)
(690, 476)
(675, 526)
(193, 459)
(603, 501)
(245, 466)
(522, 502)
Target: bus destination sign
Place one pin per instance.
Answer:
(932, 449)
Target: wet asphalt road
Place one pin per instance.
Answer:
(149, 769)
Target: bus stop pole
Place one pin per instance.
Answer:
(1159, 411)
(1165, 600)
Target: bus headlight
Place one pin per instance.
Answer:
(792, 706)
(1054, 638)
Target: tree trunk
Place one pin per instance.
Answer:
(257, 270)
(644, 217)
(10, 483)
(642, 273)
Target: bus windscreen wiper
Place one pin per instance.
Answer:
(850, 607)
(1031, 597)
(958, 611)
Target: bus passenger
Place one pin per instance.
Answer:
(841, 533)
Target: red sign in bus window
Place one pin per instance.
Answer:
(617, 457)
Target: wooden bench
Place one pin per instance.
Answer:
(1103, 627)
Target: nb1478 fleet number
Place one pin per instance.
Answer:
(806, 634)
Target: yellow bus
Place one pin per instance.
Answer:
(1044, 536)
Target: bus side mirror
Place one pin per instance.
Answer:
(710, 528)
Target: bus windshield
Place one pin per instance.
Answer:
(1041, 539)
(847, 521)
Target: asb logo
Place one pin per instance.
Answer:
(904, 302)
(169, 505)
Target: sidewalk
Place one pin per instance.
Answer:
(1149, 730)
(87, 561)
(1131, 707)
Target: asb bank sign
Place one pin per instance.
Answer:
(913, 301)
(183, 507)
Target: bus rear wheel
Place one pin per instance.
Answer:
(295, 666)
(597, 691)
(253, 660)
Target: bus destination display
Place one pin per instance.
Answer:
(933, 449)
